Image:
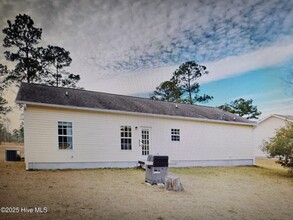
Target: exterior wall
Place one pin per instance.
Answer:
(265, 130)
(96, 139)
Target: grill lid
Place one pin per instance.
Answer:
(158, 161)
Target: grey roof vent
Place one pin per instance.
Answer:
(66, 93)
(222, 116)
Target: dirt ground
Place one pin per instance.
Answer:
(262, 192)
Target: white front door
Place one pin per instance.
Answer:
(145, 142)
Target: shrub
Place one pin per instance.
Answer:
(281, 146)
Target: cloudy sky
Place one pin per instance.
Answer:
(130, 46)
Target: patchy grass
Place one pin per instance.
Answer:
(267, 166)
(271, 165)
(261, 192)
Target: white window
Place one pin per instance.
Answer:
(125, 137)
(65, 135)
(175, 134)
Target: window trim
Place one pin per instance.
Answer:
(58, 135)
(175, 134)
(126, 146)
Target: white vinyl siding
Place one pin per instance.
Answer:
(97, 137)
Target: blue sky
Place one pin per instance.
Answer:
(265, 86)
(129, 47)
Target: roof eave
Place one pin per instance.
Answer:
(276, 116)
(132, 113)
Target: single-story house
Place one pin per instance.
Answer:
(72, 128)
(267, 128)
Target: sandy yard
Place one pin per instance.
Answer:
(263, 192)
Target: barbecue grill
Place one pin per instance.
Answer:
(156, 169)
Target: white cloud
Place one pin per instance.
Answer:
(235, 65)
(106, 37)
(138, 82)
(145, 81)
(283, 107)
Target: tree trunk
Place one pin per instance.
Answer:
(189, 89)
(57, 76)
(173, 183)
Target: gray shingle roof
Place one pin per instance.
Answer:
(42, 94)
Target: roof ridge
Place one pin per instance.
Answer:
(284, 115)
(136, 97)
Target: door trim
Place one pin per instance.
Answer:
(141, 140)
